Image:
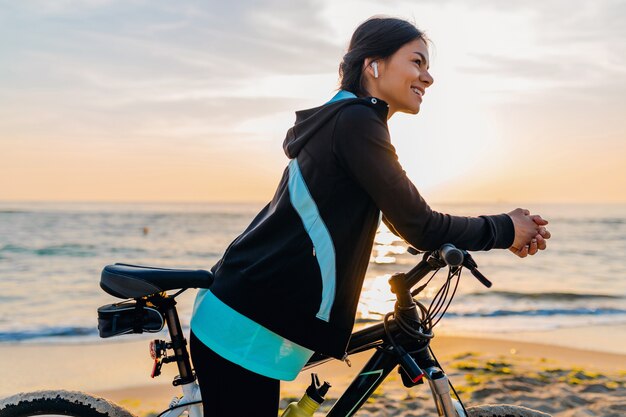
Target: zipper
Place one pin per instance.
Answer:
(346, 360)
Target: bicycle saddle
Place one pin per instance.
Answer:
(134, 281)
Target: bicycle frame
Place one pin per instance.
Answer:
(382, 362)
(377, 337)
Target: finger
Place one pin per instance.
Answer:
(532, 248)
(539, 220)
(523, 252)
(540, 232)
(544, 233)
(514, 250)
(526, 211)
(541, 242)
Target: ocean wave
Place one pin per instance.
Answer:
(126, 249)
(545, 296)
(610, 221)
(63, 333)
(542, 312)
(13, 248)
(533, 312)
(69, 249)
(18, 336)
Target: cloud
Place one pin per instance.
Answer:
(240, 38)
(516, 66)
(573, 51)
(199, 119)
(130, 69)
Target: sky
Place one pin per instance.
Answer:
(109, 100)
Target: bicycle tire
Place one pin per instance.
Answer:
(59, 403)
(503, 410)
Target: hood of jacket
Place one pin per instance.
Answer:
(309, 121)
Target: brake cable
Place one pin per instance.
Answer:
(439, 298)
(457, 274)
(456, 286)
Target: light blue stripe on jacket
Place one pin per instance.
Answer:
(240, 340)
(323, 247)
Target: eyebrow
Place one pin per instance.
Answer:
(423, 58)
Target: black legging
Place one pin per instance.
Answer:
(228, 389)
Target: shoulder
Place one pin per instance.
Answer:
(362, 123)
(364, 109)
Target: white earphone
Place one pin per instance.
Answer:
(375, 68)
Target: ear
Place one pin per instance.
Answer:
(369, 68)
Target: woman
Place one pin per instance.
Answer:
(290, 283)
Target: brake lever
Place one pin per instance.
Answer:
(470, 264)
(480, 277)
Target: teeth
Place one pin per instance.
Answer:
(416, 91)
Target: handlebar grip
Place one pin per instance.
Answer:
(451, 255)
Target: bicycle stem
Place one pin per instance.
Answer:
(401, 285)
(424, 267)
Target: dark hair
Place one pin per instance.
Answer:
(379, 38)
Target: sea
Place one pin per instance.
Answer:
(52, 254)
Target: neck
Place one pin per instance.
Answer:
(373, 92)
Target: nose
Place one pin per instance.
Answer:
(426, 78)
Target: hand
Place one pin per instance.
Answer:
(530, 233)
(542, 234)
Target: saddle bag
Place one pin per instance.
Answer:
(128, 317)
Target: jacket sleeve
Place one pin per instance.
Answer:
(362, 146)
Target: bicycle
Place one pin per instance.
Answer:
(401, 340)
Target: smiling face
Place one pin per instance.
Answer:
(402, 78)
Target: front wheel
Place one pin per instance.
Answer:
(59, 403)
(502, 410)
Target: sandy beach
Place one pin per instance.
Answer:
(558, 380)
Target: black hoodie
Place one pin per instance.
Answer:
(299, 267)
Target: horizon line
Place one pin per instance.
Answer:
(480, 202)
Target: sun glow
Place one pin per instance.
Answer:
(163, 112)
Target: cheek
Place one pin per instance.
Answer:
(401, 85)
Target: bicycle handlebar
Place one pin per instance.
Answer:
(447, 255)
(401, 285)
(457, 257)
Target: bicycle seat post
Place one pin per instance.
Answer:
(179, 343)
